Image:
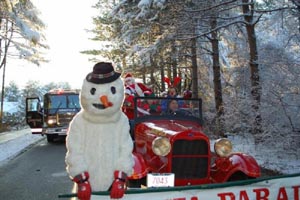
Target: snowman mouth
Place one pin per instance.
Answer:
(98, 105)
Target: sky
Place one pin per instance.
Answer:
(66, 22)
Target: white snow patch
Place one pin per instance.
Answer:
(12, 146)
(267, 156)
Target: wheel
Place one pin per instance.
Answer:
(238, 176)
(50, 138)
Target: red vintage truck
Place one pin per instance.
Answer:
(171, 148)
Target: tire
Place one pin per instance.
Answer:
(50, 138)
(238, 176)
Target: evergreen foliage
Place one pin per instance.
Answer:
(155, 38)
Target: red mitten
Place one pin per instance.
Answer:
(118, 186)
(84, 188)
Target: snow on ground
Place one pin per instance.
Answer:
(272, 156)
(11, 146)
(267, 156)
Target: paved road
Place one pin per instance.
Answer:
(37, 174)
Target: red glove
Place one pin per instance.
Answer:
(118, 186)
(84, 188)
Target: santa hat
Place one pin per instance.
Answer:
(128, 76)
(103, 72)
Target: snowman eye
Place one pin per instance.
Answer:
(92, 91)
(113, 90)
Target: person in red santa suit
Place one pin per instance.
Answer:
(128, 104)
(138, 89)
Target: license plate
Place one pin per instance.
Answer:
(160, 180)
(62, 131)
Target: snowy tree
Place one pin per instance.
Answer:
(33, 89)
(149, 29)
(256, 44)
(107, 33)
(52, 85)
(21, 31)
(171, 31)
(20, 34)
(12, 92)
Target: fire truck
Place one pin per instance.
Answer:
(52, 115)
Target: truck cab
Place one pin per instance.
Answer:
(52, 115)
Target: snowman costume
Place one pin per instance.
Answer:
(99, 146)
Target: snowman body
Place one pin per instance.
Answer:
(98, 139)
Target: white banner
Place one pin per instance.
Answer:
(285, 188)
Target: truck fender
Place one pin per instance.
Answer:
(236, 162)
(140, 168)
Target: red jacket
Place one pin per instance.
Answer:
(128, 106)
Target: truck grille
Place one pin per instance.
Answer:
(64, 119)
(190, 159)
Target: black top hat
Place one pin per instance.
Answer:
(103, 72)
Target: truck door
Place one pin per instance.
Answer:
(34, 115)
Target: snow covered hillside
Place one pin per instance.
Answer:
(269, 156)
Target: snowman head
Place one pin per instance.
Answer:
(102, 91)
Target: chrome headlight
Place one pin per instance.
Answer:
(223, 147)
(161, 146)
(51, 121)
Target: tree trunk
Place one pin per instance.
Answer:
(217, 78)
(248, 9)
(162, 75)
(174, 60)
(152, 79)
(3, 63)
(194, 68)
(174, 65)
(2, 95)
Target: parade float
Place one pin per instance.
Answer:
(175, 159)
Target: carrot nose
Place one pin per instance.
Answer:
(105, 101)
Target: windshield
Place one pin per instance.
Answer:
(167, 107)
(62, 102)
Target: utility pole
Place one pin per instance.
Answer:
(2, 94)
